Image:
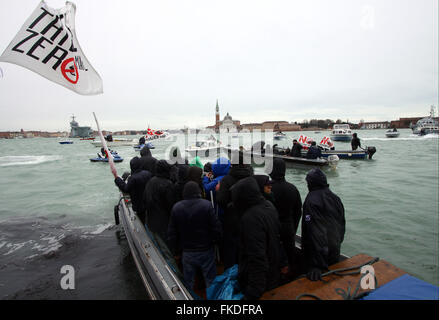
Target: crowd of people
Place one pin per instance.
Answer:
(223, 212)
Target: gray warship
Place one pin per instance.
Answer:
(77, 131)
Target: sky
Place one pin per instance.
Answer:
(165, 63)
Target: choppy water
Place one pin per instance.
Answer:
(56, 208)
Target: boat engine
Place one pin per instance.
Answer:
(371, 151)
(333, 160)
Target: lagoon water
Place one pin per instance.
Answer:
(56, 208)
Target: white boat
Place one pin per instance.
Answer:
(341, 132)
(204, 148)
(392, 133)
(279, 136)
(426, 125)
(116, 142)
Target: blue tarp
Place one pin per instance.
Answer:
(225, 286)
(405, 287)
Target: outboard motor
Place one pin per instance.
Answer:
(371, 151)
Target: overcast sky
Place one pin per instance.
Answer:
(165, 62)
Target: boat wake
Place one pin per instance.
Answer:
(26, 160)
(409, 138)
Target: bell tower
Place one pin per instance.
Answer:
(217, 115)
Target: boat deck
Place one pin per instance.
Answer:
(332, 286)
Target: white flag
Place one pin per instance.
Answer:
(47, 45)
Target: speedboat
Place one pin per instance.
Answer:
(141, 146)
(204, 148)
(279, 136)
(100, 158)
(66, 142)
(392, 133)
(341, 132)
(116, 142)
(163, 279)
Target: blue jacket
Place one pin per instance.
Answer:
(220, 168)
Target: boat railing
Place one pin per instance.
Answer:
(160, 280)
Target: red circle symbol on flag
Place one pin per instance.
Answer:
(70, 71)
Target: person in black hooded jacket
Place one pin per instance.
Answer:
(239, 170)
(194, 228)
(259, 244)
(135, 186)
(158, 198)
(182, 179)
(148, 161)
(289, 206)
(323, 226)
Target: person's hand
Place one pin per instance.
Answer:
(217, 186)
(314, 274)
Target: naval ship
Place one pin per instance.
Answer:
(77, 131)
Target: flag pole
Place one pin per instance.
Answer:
(104, 144)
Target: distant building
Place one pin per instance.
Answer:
(376, 125)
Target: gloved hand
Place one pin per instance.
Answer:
(314, 274)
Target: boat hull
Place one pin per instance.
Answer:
(338, 137)
(116, 143)
(291, 162)
(392, 134)
(204, 152)
(105, 160)
(346, 154)
(66, 142)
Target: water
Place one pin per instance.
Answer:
(57, 208)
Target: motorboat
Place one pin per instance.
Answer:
(426, 125)
(392, 133)
(260, 156)
(205, 148)
(341, 132)
(279, 136)
(100, 158)
(141, 146)
(163, 279)
(116, 142)
(66, 142)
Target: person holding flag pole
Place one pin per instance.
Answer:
(104, 144)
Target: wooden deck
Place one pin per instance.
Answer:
(326, 290)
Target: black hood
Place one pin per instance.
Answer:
(246, 194)
(148, 163)
(207, 167)
(163, 169)
(194, 174)
(279, 168)
(191, 191)
(135, 165)
(182, 173)
(145, 152)
(262, 180)
(316, 179)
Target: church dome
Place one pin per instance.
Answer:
(227, 117)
